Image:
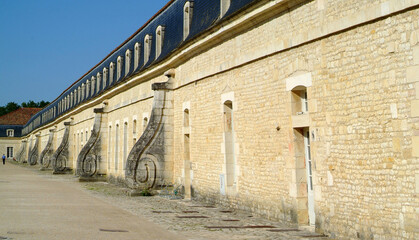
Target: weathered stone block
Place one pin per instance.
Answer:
(415, 146)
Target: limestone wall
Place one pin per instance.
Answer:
(358, 61)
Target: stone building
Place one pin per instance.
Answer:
(301, 111)
(11, 126)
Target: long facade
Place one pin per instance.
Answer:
(302, 111)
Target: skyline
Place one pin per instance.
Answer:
(50, 43)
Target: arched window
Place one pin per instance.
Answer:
(187, 18)
(127, 61)
(93, 85)
(99, 79)
(137, 49)
(147, 48)
(159, 40)
(105, 77)
(111, 72)
(224, 6)
(119, 68)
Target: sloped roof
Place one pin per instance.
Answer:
(18, 117)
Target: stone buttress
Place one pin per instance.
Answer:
(21, 154)
(34, 153)
(59, 159)
(46, 154)
(150, 161)
(89, 158)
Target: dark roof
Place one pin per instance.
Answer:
(18, 117)
(206, 14)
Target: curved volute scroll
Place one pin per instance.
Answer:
(60, 157)
(89, 158)
(33, 154)
(21, 155)
(147, 160)
(46, 154)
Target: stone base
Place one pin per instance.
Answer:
(45, 169)
(96, 178)
(66, 171)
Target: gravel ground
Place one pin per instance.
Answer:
(196, 220)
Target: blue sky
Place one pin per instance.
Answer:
(46, 45)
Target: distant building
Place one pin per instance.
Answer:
(11, 125)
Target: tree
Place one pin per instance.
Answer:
(12, 106)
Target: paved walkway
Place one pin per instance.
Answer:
(39, 205)
(33, 206)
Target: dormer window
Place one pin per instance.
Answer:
(159, 40)
(187, 18)
(127, 61)
(224, 6)
(111, 72)
(119, 68)
(78, 94)
(10, 132)
(137, 49)
(83, 91)
(105, 77)
(87, 89)
(92, 85)
(147, 48)
(71, 99)
(99, 79)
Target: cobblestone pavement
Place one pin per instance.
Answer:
(195, 220)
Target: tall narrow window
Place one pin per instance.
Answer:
(111, 72)
(229, 143)
(147, 48)
(119, 68)
(224, 6)
(99, 79)
(116, 146)
(9, 152)
(105, 78)
(186, 118)
(159, 40)
(137, 49)
(109, 147)
(134, 130)
(187, 18)
(125, 144)
(299, 103)
(93, 85)
(127, 61)
(145, 122)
